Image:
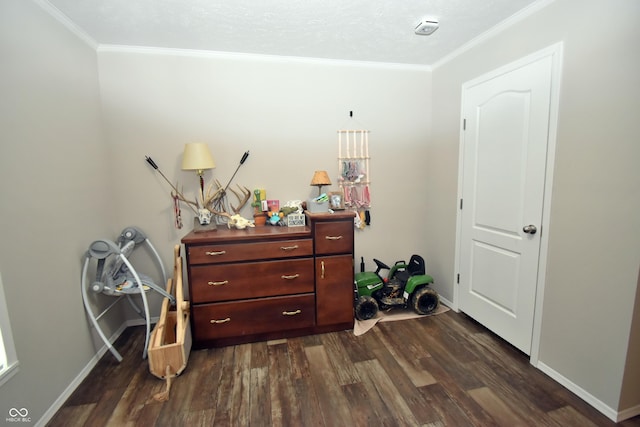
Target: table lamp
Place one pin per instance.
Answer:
(319, 179)
(197, 157)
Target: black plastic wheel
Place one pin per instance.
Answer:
(424, 300)
(366, 308)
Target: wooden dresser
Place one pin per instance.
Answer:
(271, 282)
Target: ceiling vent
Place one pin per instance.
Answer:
(426, 27)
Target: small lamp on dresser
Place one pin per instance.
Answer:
(320, 178)
(197, 157)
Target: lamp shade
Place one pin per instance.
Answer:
(320, 178)
(197, 157)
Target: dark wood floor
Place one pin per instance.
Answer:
(442, 370)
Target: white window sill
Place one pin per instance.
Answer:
(9, 372)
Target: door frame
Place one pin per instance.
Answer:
(555, 51)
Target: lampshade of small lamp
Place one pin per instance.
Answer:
(319, 179)
(197, 157)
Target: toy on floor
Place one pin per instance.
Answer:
(406, 285)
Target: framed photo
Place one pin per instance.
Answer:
(336, 200)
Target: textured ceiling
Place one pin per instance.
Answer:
(358, 30)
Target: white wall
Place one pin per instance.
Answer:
(593, 255)
(67, 180)
(78, 188)
(631, 379)
(53, 176)
(286, 112)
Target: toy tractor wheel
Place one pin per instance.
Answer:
(366, 308)
(424, 300)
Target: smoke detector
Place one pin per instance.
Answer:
(426, 27)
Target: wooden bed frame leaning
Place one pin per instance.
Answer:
(170, 342)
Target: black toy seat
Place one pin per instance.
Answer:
(414, 268)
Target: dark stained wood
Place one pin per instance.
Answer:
(333, 238)
(268, 278)
(334, 289)
(435, 371)
(340, 362)
(284, 401)
(268, 283)
(224, 234)
(328, 393)
(230, 252)
(253, 316)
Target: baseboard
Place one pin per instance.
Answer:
(55, 407)
(447, 303)
(612, 414)
(628, 413)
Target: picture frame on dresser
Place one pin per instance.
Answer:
(336, 200)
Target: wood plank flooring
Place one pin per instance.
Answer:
(443, 370)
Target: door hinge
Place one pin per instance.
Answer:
(460, 204)
(464, 124)
(458, 279)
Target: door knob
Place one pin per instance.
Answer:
(530, 229)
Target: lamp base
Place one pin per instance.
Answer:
(201, 228)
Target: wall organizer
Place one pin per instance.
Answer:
(354, 175)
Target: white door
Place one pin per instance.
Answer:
(504, 155)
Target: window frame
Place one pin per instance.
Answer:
(8, 356)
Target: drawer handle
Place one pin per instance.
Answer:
(322, 269)
(215, 253)
(291, 313)
(289, 248)
(291, 277)
(216, 322)
(333, 237)
(224, 282)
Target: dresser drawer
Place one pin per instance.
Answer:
(232, 252)
(225, 282)
(250, 317)
(334, 237)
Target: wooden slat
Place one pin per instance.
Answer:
(406, 388)
(406, 356)
(260, 397)
(299, 366)
(447, 407)
(465, 407)
(310, 410)
(334, 408)
(500, 411)
(360, 348)
(568, 416)
(205, 369)
(345, 371)
(78, 413)
(380, 383)
(361, 405)
(284, 401)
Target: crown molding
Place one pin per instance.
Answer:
(67, 23)
(144, 50)
(492, 32)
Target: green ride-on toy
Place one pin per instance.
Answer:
(406, 285)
